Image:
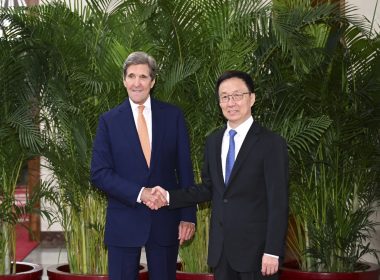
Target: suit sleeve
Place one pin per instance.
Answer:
(194, 194)
(184, 167)
(103, 175)
(276, 165)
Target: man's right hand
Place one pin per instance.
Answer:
(154, 198)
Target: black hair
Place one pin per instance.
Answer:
(245, 77)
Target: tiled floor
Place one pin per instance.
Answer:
(51, 256)
(47, 257)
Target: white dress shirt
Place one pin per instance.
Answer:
(241, 132)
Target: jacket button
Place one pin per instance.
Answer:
(225, 200)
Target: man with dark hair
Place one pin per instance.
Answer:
(245, 175)
(140, 144)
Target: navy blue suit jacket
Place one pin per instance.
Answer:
(119, 169)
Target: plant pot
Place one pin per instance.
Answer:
(290, 271)
(62, 272)
(25, 271)
(180, 275)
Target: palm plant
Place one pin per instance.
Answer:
(20, 137)
(83, 81)
(190, 32)
(334, 188)
(285, 45)
(333, 211)
(289, 50)
(209, 37)
(79, 62)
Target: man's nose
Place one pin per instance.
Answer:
(137, 81)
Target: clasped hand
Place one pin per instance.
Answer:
(154, 198)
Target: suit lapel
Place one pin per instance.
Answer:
(157, 130)
(250, 140)
(218, 159)
(128, 127)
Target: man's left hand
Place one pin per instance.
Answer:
(269, 265)
(186, 231)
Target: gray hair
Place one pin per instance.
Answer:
(140, 58)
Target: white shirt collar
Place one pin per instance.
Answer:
(146, 104)
(243, 128)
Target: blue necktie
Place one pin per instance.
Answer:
(230, 156)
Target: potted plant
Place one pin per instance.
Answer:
(232, 47)
(290, 54)
(77, 91)
(334, 189)
(204, 46)
(20, 139)
(332, 218)
(288, 51)
(77, 87)
(12, 213)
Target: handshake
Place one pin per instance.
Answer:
(155, 197)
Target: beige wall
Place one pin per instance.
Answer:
(368, 9)
(31, 2)
(375, 241)
(46, 176)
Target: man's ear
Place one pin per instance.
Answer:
(153, 83)
(253, 98)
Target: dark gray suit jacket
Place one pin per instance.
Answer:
(250, 215)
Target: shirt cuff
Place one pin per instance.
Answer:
(139, 196)
(189, 222)
(168, 197)
(273, 256)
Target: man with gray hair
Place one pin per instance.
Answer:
(140, 144)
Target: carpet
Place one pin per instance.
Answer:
(23, 245)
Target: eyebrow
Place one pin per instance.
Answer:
(141, 75)
(236, 91)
